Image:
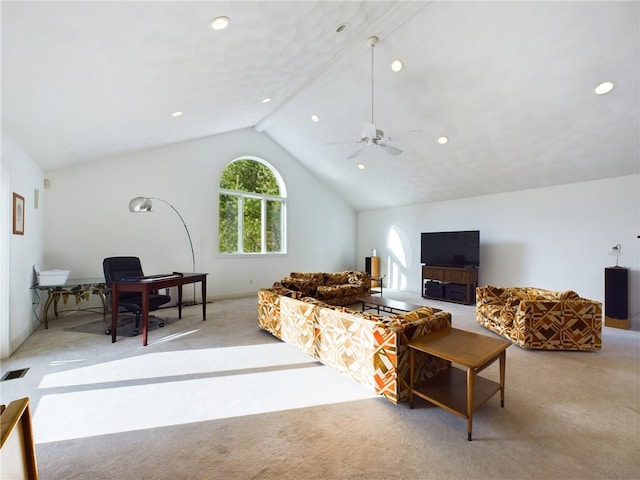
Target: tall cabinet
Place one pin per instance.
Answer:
(616, 297)
(372, 267)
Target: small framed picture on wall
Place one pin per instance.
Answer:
(18, 214)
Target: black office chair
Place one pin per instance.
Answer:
(117, 268)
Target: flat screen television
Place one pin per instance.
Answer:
(450, 249)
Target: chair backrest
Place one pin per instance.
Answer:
(117, 268)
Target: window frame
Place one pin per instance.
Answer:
(264, 199)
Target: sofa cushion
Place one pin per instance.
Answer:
(299, 284)
(569, 295)
(324, 292)
(422, 312)
(337, 278)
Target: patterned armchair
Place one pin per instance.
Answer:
(535, 318)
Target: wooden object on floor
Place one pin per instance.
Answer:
(459, 283)
(616, 297)
(453, 390)
(372, 267)
(17, 448)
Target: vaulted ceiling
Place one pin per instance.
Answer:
(511, 84)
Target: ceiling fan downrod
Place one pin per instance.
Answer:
(372, 42)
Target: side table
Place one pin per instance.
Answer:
(458, 391)
(78, 288)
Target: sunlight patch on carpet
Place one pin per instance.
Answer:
(181, 362)
(103, 411)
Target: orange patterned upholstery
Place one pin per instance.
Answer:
(369, 348)
(536, 318)
(339, 288)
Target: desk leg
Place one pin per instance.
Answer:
(471, 380)
(145, 316)
(47, 304)
(179, 301)
(203, 283)
(114, 313)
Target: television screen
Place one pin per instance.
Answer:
(451, 249)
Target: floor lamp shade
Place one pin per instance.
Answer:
(145, 204)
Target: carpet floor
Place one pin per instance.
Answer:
(222, 399)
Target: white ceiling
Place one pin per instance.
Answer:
(510, 83)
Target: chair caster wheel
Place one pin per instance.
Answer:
(135, 332)
(107, 331)
(161, 324)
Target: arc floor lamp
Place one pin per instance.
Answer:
(145, 204)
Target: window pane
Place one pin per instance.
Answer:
(252, 241)
(228, 224)
(249, 176)
(274, 226)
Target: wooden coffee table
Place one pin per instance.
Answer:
(388, 305)
(458, 391)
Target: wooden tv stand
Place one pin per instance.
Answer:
(459, 283)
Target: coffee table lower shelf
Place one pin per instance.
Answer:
(448, 390)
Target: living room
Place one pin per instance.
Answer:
(555, 234)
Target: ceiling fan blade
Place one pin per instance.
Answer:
(356, 153)
(390, 149)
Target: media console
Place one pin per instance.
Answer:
(451, 284)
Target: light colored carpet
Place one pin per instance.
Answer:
(223, 399)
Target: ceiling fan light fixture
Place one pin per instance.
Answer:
(397, 65)
(443, 140)
(604, 88)
(219, 23)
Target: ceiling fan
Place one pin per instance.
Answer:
(371, 136)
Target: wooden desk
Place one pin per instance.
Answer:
(144, 286)
(78, 288)
(452, 389)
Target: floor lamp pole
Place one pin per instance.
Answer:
(193, 255)
(145, 204)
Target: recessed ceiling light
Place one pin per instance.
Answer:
(315, 118)
(397, 65)
(219, 23)
(361, 166)
(266, 100)
(342, 27)
(604, 88)
(176, 114)
(443, 140)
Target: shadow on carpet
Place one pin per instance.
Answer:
(125, 326)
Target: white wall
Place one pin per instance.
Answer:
(18, 317)
(87, 216)
(556, 237)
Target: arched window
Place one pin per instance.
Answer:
(252, 209)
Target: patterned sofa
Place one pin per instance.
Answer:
(369, 348)
(535, 318)
(339, 288)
